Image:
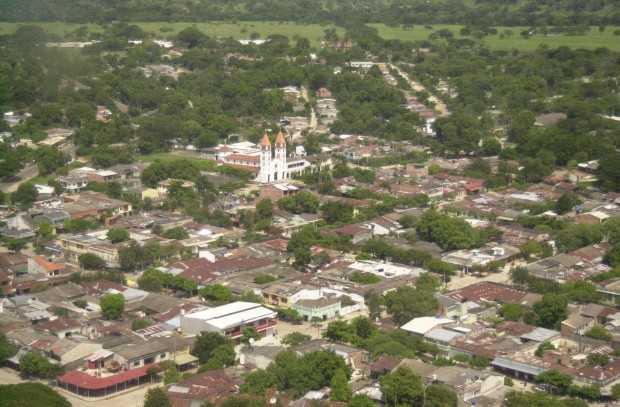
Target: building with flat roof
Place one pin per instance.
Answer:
(230, 319)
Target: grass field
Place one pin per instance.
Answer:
(242, 30)
(202, 163)
(592, 40)
(315, 32)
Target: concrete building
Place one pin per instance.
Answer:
(230, 319)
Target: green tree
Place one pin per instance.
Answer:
(599, 332)
(171, 375)
(90, 261)
(157, 397)
(35, 364)
(140, 323)
(112, 306)
(608, 172)
(512, 312)
(191, 37)
(117, 235)
(216, 293)
(566, 202)
(295, 338)
(258, 382)
(559, 382)
(178, 233)
(25, 195)
(402, 387)
(440, 395)
(205, 345)
(406, 303)
(248, 333)
(544, 346)
(7, 349)
(361, 400)
(340, 389)
(615, 391)
(303, 257)
(264, 209)
(551, 310)
(337, 212)
(519, 275)
(596, 359)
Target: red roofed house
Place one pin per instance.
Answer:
(103, 381)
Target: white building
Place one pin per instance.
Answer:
(230, 319)
(269, 161)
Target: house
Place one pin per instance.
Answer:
(467, 383)
(40, 265)
(68, 350)
(76, 245)
(94, 204)
(354, 357)
(230, 319)
(357, 233)
(422, 325)
(576, 324)
(135, 355)
(259, 356)
(321, 308)
(103, 114)
(212, 387)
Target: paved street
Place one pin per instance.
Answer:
(28, 172)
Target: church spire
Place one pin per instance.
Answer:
(280, 142)
(265, 143)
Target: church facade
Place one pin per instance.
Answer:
(273, 166)
(269, 161)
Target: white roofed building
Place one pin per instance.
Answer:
(230, 319)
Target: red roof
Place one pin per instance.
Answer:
(48, 265)
(280, 140)
(488, 291)
(277, 244)
(242, 157)
(265, 142)
(86, 381)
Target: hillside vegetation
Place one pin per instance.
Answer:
(479, 12)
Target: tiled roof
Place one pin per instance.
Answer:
(85, 381)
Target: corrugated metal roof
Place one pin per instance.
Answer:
(517, 366)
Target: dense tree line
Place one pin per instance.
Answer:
(522, 12)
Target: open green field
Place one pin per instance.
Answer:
(592, 40)
(241, 30)
(202, 163)
(315, 32)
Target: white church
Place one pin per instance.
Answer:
(269, 160)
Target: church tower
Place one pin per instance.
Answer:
(280, 167)
(265, 174)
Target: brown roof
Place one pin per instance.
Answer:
(48, 265)
(214, 386)
(56, 325)
(243, 157)
(490, 292)
(265, 142)
(204, 271)
(280, 140)
(384, 364)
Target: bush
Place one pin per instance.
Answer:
(31, 395)
(264, 279)
(364, 278)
